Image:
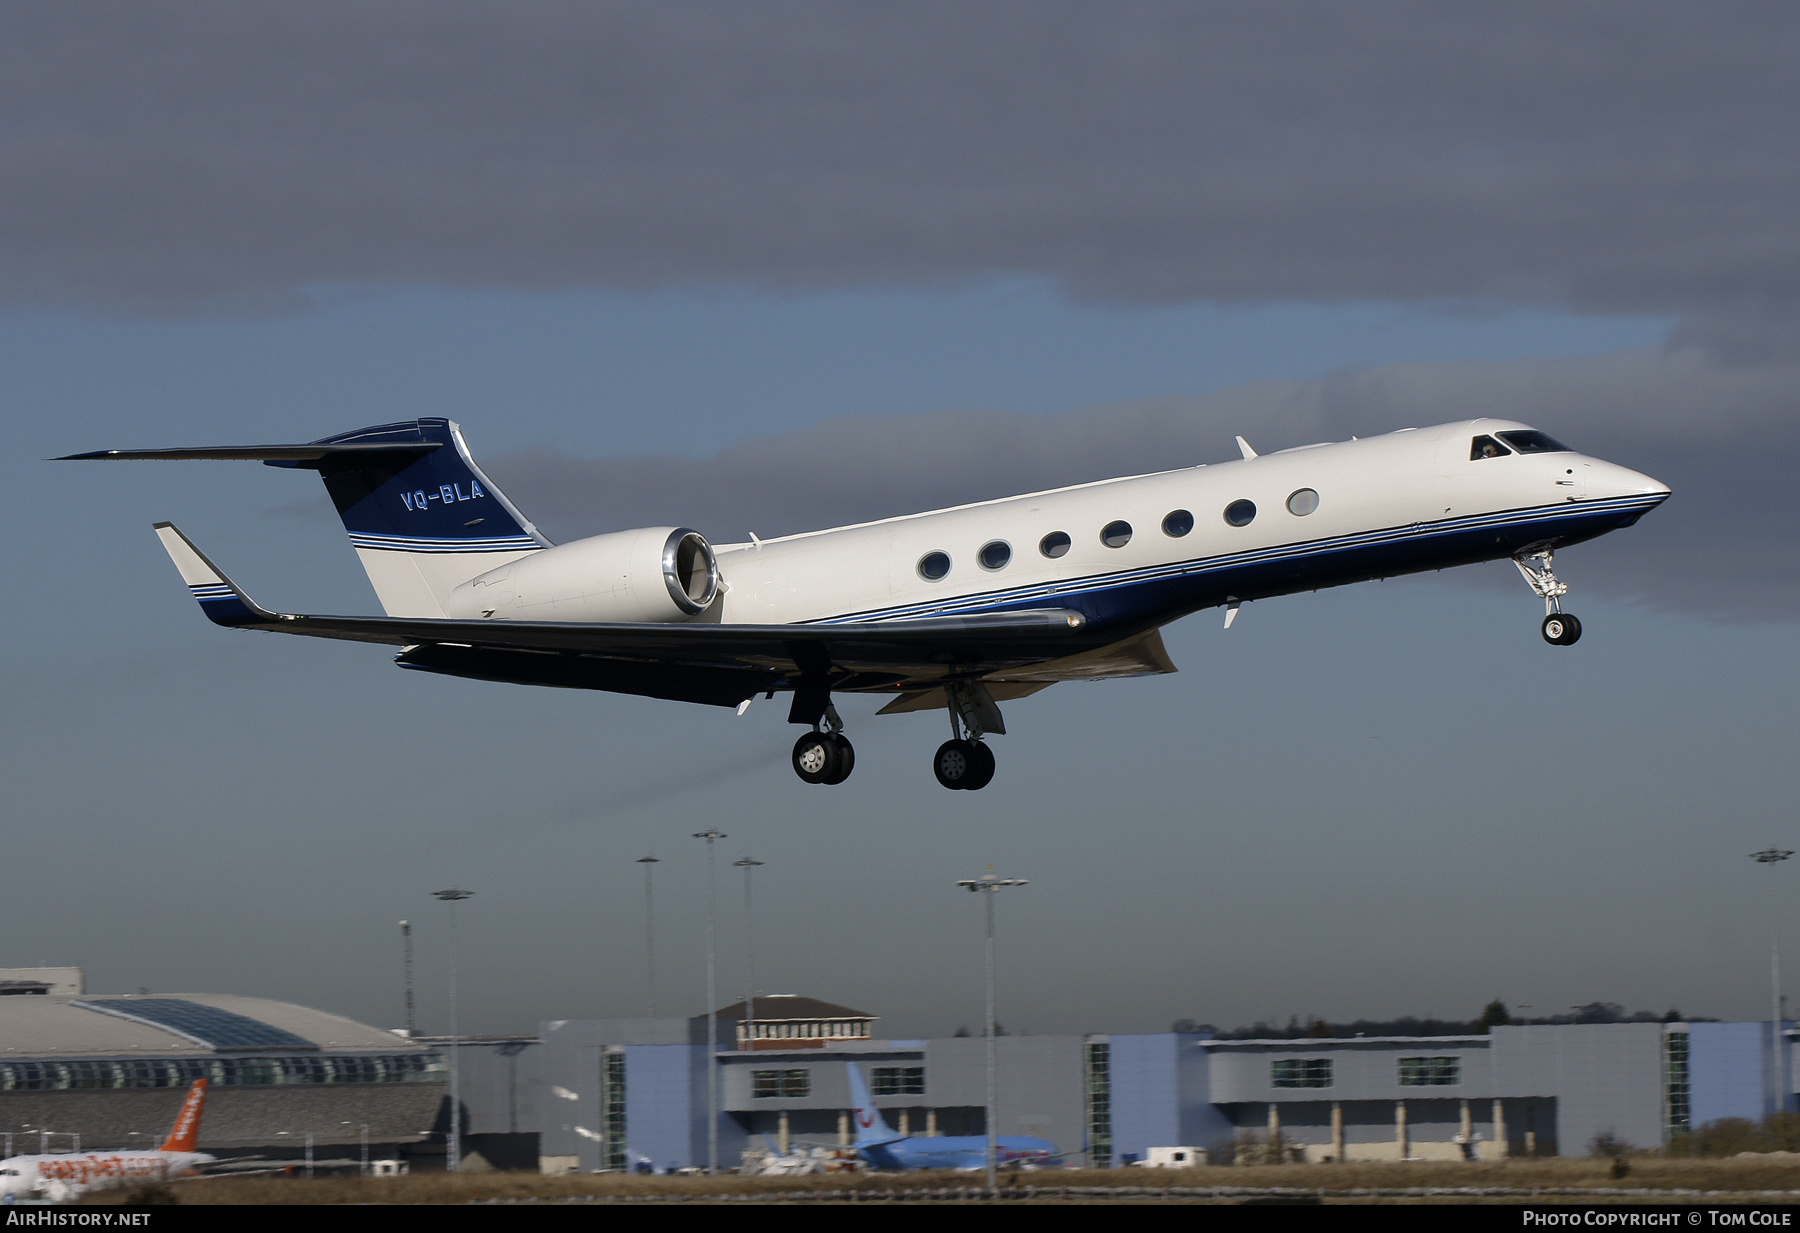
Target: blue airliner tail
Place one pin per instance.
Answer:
(871, 1128)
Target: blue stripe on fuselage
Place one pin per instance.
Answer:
(1164, 592)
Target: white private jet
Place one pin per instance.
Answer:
(59, 1176)
(958, 608)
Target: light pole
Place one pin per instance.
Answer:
(649, 938)
(406, 967)
(365, 1146)
(309, 1148)
(712, 1007)
(453, 1146)
(1773, 856)
(986, 885)
(746, 864)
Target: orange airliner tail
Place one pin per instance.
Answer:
(187, 1123)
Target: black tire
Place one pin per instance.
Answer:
(954, 764)
(814, 757)
(982, 773)
(1557, 628)
(843, 759)
(1572, 634)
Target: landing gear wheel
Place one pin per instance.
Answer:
(964, 765)
(982, 773)
(953, 764)
(843, 759)
(824, 757)
(814, 757)
(1561, 629)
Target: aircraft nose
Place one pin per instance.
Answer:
(1608, 479)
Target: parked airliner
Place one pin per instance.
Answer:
(958, 608)
(65, 1175)
(883, 1149)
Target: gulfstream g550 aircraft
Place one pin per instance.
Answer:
(958, 608)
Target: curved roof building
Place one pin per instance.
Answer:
(112, 1069)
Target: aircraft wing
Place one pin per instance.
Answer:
(692, 661)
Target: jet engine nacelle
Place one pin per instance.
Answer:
(652, 574)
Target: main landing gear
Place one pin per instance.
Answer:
(1559, 628)
(964, 761)
(825, 755)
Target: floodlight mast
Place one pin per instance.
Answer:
(649, 938)
(746, 864)
(453, 1145)
(1773, 856)
(986, 885)
(712, 1007)
(406, 966)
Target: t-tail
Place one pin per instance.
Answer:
(871, 1128)
(186, 1132)
(422, 516)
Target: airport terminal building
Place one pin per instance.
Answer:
(621, 1092)
(92, 1072)
(108, 1071)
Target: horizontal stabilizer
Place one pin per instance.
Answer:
(316, 452)
(219, 597)
(423, 519)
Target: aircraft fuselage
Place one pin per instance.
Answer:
(1401, 503)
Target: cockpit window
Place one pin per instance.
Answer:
(1486, 447)
(1534, 442)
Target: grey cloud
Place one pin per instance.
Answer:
(1722, 547)
(1607, 156)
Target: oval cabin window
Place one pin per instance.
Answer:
(933, 565)
(1240, 513)
(1055, 544)
(1116, 534)
(1302, 502)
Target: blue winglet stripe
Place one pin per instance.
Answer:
(221, 604)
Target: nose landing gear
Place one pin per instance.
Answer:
(1559, 628)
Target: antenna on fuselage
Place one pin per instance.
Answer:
(1245, 446)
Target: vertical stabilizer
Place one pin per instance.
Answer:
(423, 521)
(186, 1132)
(871, 1128)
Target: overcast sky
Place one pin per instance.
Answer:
(777, 266)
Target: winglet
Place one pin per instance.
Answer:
(186, 1131)
(220, 599)
(1245, 446)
